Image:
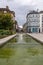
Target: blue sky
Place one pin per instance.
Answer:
(22, 7)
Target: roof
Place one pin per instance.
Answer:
(4, 9)
(33, 12)
(8, 10)
(41, 12)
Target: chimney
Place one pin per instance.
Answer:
(7, 7)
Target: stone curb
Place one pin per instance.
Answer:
(36, 38)
(4, 40)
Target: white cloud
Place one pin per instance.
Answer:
(23, 2)
(38, 3)
(21, 7)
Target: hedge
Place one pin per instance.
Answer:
(6, 32)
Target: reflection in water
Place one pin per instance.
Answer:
(26, 38)
(14, 40)
(20, 39)
(21, 50)
(33, 51)
(11, 43)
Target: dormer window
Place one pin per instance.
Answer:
(5, 11)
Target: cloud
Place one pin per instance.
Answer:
(21, 13)
(23, 2)
(22, 7)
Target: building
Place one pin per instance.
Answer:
(7, 10)
(34, 21)
(41, 21)
(25, 27)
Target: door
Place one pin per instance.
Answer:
(34, 30)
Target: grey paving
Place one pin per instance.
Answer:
(37, 36)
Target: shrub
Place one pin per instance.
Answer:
(6, 32)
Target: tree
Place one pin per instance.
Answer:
(6, 21)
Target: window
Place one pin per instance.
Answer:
(33, 15)
(42, 18)
(36, 15)
(5, 11)
(34, 30)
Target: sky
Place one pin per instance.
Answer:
(22, 7)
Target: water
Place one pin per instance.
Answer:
(22, 50)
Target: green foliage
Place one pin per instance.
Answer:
(6, 21)
(5, 32)
(13, 40)
(26, 38)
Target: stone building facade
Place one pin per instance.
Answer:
(34, 21)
